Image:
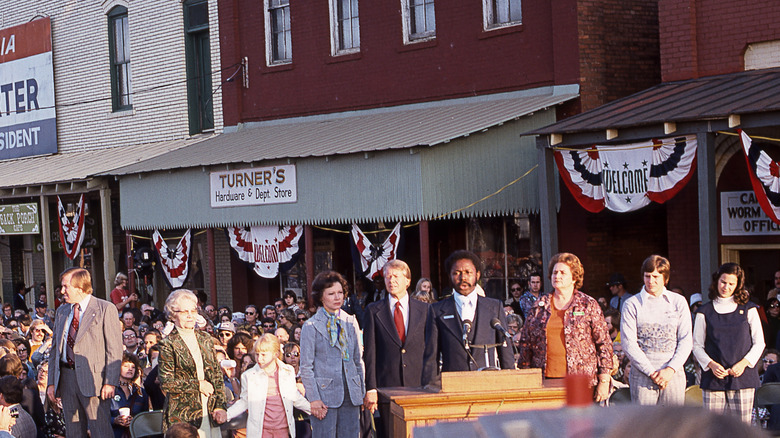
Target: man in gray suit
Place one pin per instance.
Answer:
(86, 357)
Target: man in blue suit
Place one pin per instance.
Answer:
(394, 338)
(463, 330)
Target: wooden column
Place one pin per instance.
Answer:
(425, 251)
(308, 239)
(547, 204)
(708, 222)
(212, 266)
(109, 265)
(48, 267)
(129, 261)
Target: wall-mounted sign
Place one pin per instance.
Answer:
(740, 215)
(27, 113)
(253, 186)
(19, 219)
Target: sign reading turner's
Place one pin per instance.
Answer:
(254, 186)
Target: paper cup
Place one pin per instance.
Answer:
(125, 412)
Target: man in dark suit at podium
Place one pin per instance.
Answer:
(394, 338)
(463, 322)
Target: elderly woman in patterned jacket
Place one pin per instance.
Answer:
(565, 333)
(189, 373)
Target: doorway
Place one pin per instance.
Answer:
(760, 262)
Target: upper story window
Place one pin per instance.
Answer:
(345, 27)
(119, 53)
(500, 13)
(419, 20)
(278, 33)
(200, 111)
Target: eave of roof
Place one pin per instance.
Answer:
(715, 102)
(426, 124)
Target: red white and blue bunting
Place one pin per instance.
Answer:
(764, 176)
(374, 257)
(266, 247)
(174, 262)
(71, 230)
(628, 177)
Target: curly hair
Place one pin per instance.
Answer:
(239, 338)
(574, 264)
(741, 295)
(324, 280)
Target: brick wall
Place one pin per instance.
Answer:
(82, 78)
(463, 60)
(682, 231)
(708, 37)
(618, 49)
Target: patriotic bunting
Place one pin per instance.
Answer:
(174, 261)
(372, 257)
(266, 247)
(71, 230)
(764, 176)
(628, 177)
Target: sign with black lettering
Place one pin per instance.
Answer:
(741, 215)
(253, 186)
(19, 219)
(27, 113)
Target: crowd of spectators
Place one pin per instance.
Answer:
(586, 333)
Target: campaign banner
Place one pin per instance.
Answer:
(28, 117)
(253, 186)
(628, 177)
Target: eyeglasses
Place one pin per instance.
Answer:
(128, 336)
(774, 305)
(769, 361)
(225, 334)
(250, 313)
(21, 349)
(186, 312)
(292, 354)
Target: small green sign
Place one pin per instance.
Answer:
(19, 219)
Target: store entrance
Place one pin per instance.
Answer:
(760, 263)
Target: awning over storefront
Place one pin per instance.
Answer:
(745, 100)
(698, 107)
(71, 172)
(451, 158)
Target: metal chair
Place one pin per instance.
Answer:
(620, 397)
(693, 396)
(146, 424)
(768, 394)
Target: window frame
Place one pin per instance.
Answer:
(489, 20)
(197, 47)
(336, 28)
(406, 21)
(120, 14)
(270, 60)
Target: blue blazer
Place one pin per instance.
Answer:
(390, 363)
(448, 333)
(321, 365)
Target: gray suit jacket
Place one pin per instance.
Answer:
(321, 365)
(98, 348)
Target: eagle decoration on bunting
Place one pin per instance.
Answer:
(71, 230)
(266, 247)
(174, 261)
(374, 257)
(628, 177)
(764, 176)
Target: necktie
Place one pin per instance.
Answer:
(72, 331)
(399, 322)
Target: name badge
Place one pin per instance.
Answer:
(448, 317)
(578, 313)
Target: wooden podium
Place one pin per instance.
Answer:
(467, 396)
